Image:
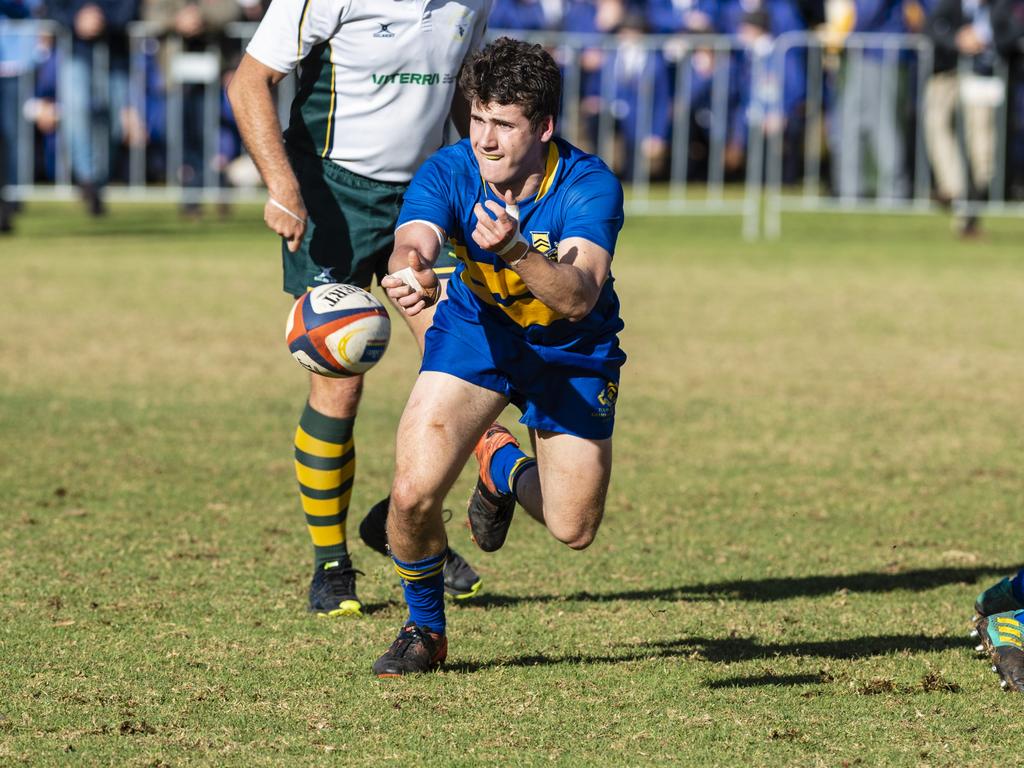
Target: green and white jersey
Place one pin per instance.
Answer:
(376, 77)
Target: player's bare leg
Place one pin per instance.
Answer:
(439, 427)
(460, 580)
(337, 398)
(436, 435)
(564, 488)
(567, 487)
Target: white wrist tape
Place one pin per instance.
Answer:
(513, 213)
(436, 229)
(291, 213)
(513, 243)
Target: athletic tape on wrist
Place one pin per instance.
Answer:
(513, 213)
(513, 243)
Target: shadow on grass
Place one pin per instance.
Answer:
(767, 590)
(757, 681)
(732, 649)
(371, 608)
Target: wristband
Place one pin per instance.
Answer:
(515, 262)
(512, 211)
(513, 243)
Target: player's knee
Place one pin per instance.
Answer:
(582, 541)
(409, 503)
(577, 534)
(335, 397)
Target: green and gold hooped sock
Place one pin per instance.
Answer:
(325, 466)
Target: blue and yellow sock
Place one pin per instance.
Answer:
(1017, 585)
(325, 466)
(423, 582)
(506, 465)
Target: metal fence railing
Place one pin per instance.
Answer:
(696, 124)
(889, 106)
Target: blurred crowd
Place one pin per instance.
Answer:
(632, 96)
(86, 85)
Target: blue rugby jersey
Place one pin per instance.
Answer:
(579, 197)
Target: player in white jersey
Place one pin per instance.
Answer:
(376, 83)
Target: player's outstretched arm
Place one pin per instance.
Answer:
(411, 283)
(570, 285)
(253, 106)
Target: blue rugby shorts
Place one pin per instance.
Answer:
(577, 398)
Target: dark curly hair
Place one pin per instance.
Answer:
(513, 72)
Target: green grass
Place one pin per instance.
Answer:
(818, 464)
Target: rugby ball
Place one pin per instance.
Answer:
(337, 330)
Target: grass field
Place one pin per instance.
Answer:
(819, 462)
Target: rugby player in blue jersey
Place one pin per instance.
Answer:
(530, 318)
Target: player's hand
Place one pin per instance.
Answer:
(287, 218)
(413, 288)
(497, 228)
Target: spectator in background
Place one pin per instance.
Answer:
(773, 87)
(229, 141)
(689, 71)
(1008, 34)
(526, 14)
(253, 10)
(723, 118)
(590, 17)
(147, 116)
(812, 12)
(194, 42)
(961, 31)
(680, 16)
(642, 103)
(868, 106)
(17, 47)
(41, 110)
(96, 78)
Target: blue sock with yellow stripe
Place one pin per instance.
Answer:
(1017, 585)
(325, 466)
(423, 582)
(506, 464)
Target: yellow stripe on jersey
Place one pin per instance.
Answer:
(307, 443)
(549, 172)
(302, 21)
(505, 289)
(323, 479)
(330, 112)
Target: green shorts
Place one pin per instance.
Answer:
(350, 231)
